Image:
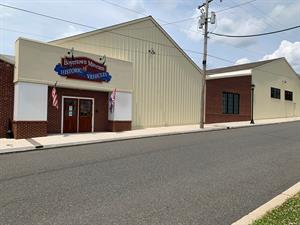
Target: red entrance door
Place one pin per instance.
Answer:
(78, 114)
(85, 115)
(70, 115)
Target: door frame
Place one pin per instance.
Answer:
(78, 108)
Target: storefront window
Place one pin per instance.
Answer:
(70, 107)
(85, 108)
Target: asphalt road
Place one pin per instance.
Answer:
(209, 178)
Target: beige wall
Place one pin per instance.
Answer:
(276, 74)
(166, 85)
(35, 62)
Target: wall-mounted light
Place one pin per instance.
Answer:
(71, 52)
(103, 59)
(151, 51)
(284, 81)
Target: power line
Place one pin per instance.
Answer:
(105, 46)
(266, 15)
(123, 7)
(47, 16)
(84, 25)
(75, 23)
(112, 32)
(262, 13)
(23, 32)
(255, 35)
(164, 22)
(235, 6)
(79, 24)
(146, 53)
(245, 49)
(180, 21)
(270, 19)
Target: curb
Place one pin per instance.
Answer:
(50, 146)
(270, 205)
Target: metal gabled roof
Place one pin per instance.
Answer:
(246, 66)
(8, 58)
(113, 27)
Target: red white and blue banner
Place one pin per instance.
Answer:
(112, 100)
(54, 97)
(82, 68)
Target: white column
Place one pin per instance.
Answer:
(31, 102)
(123, 107)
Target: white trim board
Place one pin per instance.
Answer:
(239, 73)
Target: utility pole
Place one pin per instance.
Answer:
(204, 21)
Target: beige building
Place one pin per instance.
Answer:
(276, 76)
(128, 76)
(166, 82)
(274, 85)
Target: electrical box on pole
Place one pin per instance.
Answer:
(212, 17)
(201, 21)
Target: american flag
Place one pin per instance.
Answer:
(54, 97)
(112, 100)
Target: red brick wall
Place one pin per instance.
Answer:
(29, 129)
(100, 108)
(214, 95)
(118, 126)
(6, 96)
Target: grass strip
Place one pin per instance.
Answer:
(286, 214)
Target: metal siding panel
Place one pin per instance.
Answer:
(166, 85)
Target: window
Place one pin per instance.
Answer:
(288, 95)
(275, 93)
(231, 103)
(86, 107)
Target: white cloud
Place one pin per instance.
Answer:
(230, 24)
(287, 14)
(243, 22)
(192, 31)
(238, 25)
(4, 13)
(242, 61)
(169, 4)
(137, 5)
(71, 30)
(289, 50)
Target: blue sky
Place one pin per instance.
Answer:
(254, 17)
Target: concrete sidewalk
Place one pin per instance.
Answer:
(60, 140)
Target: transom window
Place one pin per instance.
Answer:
(275, 93)
(288, 95)
(231, 103)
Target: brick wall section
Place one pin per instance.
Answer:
(6, 96)
(119, 126)
(214, 99)
(29, 129)
(100, 108)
